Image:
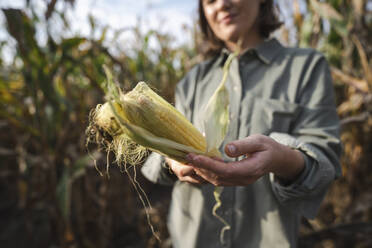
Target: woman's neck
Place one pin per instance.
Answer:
(249, 41)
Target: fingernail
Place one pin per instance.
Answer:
(231, 148)
(189, 157)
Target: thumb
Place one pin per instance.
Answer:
(242, 147)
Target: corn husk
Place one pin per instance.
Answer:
(142, 119)
(217, 119)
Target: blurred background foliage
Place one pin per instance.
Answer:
(52, 196)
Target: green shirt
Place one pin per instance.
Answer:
(285, 93)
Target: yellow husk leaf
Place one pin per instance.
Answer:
(217, 120)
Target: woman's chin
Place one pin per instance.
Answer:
(233, 38)
(230, 34)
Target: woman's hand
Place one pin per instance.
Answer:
(184, 172)
(263, 155)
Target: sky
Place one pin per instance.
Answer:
(118, 12)
(166, 16)
(124, 13)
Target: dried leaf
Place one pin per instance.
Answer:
(354, 103)
(325, 10)
(297, 14)
(364, 60)
(359, 84)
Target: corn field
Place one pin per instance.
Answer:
(52, 194)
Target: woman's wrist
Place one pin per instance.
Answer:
(290, 163)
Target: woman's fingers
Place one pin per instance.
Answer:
(181, 170)
(184, 172)
(203, 162)
(194, 179)
(212, 170)
(219, 173)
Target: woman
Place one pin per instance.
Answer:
(282, 120)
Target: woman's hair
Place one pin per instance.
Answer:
(268, 22)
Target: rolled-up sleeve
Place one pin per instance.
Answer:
(314, 132)
(156, 170)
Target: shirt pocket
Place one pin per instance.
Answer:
(271, 115)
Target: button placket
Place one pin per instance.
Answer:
(235, 97)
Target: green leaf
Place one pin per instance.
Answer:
(103, 35)
(69, 44)
(65, 184)
(340, 27)
(111, 89)
(63, 193)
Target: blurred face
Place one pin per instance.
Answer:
(231, 20)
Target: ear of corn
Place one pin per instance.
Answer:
(148, 110)
(143, 117)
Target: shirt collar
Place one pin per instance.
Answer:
(266, 51)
